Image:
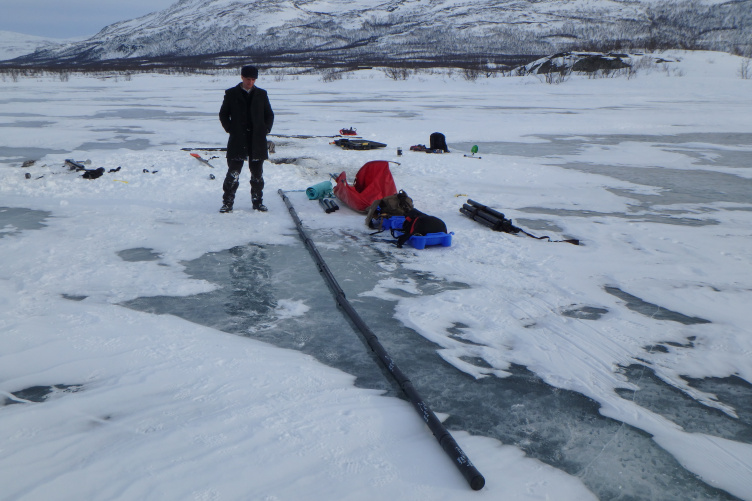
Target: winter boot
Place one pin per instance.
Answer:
(257, 205)
(226, 208)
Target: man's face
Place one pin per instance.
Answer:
(248, 82)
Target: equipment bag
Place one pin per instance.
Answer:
(398, 204)
(418, 223)
(374, 181)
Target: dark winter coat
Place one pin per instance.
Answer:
(238, 119)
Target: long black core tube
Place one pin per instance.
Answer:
(468, 209)
(486, 208)
(327, 208)
(447, 442)
(476, 217)
(489, 219)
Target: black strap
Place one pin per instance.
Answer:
(572, 241)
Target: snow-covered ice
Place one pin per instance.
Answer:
(647, 322)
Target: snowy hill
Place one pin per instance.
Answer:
(13, 45)
(367, 30)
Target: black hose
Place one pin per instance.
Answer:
(445, 439)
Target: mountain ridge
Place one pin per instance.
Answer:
(14, 44)
(331, 31)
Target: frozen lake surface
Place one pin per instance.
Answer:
(261, 285)
(619, 368)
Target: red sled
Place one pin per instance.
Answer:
(373, 182)
(348, 132)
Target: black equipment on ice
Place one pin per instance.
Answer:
(437, 141)
(328, 204)
(418, 223)
(357, 144)
(93, 173)
(498, 221)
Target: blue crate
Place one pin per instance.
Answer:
(417, 241)
(421, 241)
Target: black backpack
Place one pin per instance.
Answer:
(438, 142)
(418, 223)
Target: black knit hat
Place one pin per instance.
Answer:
(249, 72)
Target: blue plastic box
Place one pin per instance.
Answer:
(417, 241)
(421, 241)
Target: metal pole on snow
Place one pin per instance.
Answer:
(445, 439)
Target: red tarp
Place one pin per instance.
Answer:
(372, 182)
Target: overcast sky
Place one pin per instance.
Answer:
(71, 18)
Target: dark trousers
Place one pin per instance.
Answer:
(231, 183)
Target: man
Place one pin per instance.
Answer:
(248, 117)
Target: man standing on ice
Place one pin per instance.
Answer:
(248, 117)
